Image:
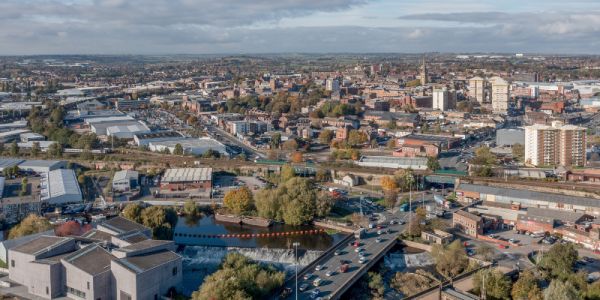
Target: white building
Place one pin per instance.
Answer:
(332, 85)
(193, 146)
(477, 88)
(60, 187)
(42, 166)
(444, 99)
(500, 95)
(125, 180)
(393, 162)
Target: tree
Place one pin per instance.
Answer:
(24, 184)
(356, 137)
(276, 140)
(433, 164)
(35, 149)
(450, 260)
(133, 212)
(14, 149)
(388, 183)
(190, 208)
(178, 150)
(161, 220)
(390, 197)
(497, 285)
(298, 198)
(55, 150)
(290, 145)
(240, 279)
(485, 251)
(325, 136)
(376, 285)
(559, 261)
(324, 204)
(287, 172)
(560, 290)
(30, 225)
(483, 156)
(593, 292)
(518, 152)
(238, 201)
(296, 157)
(70, 228)
(268, 205)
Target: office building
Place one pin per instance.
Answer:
(500, 95)
(477, 89)
(553, 145)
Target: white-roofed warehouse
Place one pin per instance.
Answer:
(60, 187)
(187, 178)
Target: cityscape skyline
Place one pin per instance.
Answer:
(35, 27)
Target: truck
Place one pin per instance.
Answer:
(360, 233)
(344, 268)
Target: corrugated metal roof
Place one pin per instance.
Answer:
(187, 175)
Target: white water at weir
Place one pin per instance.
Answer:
(201, 261)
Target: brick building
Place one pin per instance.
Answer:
(183, 179)
(468, 223)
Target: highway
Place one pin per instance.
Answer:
(332, 287)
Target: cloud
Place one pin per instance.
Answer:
(230, 26)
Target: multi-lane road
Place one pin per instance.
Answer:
(332, 287)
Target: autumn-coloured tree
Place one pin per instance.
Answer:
(72, 228)
(297, 157)
(238, 201)
(388, 183)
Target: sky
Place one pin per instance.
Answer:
(298, 26)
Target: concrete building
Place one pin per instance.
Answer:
(60, 187)
(437, 236)
(444, 99)
(554, 145)
(477, 89)
(415, 163)
(500, 95)
(92, 267)
(125, 180)
(187, 179)
(510, 137)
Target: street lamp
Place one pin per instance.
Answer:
(296, 245)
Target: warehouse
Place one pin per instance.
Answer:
(125, 180)
(193, 146)
(60, 187)
(527, 198)
(183, 179)
(415, 163)
(42, 166)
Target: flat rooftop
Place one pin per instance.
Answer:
(92, 259)
(41, 244)
(122, 225)
(144, 262)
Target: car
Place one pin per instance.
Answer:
(315, 293)
(512, 241)
(492, 236)
(378, 240)
(308, 276)
(317, 281)
(358, 249)
(356, 244)
(392, 222)
(362, 260)
(285, 293)
(344, 267)
(318, 268)
(380, 232)
(371, 225)
(470, 252)
(402, 222)
(330, 273)
(337, 252)
(303, 287)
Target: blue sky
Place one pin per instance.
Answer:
(267, 26)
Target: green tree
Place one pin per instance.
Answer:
(560, 290)
(240, 279)
(324, 204)
(276, 140)
(268, 204)
(450, 260)
(290, 145)
(484, 156)
(133, 212)
(14, 149)
(287, 172)
(497, 285)
(35, 149)
(593, 292)
(376, 285)
(56, 116)
(161, 220)
(559, 261)
(433, 164)
(298, 197)
(24, 184)
(239, 201)
(55, 150)
(178, 150)
(190, 208)
(30, 225)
